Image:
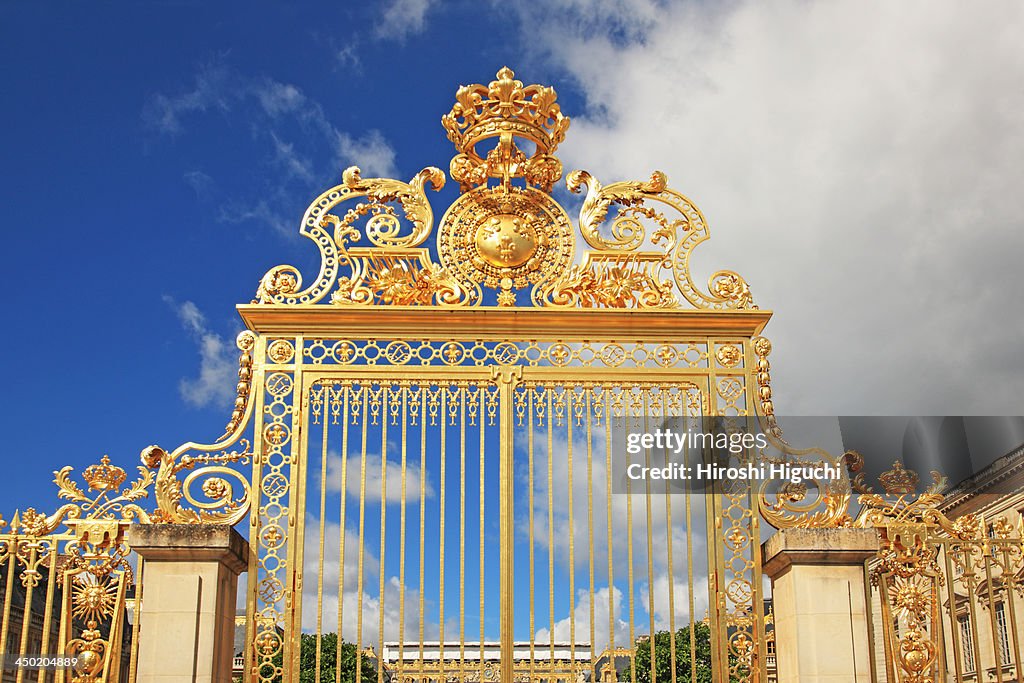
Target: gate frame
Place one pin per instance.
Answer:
(297, 324)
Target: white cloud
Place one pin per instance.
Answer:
(294, 164)
(863, 175)
(372, 153)
(212, 90)
(402, 18)
(201, 183)
(279, 98)
(215, 384)
(580, 621)
(260, 212)
(348, 57)
(373, 486)
(350, 604)
(295, 130)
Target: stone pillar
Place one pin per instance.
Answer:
(190, 580)
(821, 626)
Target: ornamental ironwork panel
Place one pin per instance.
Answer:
(70, 586)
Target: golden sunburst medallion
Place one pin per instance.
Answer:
(93, 598)
(507, 238)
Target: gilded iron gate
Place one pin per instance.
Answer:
(430, 411)
(431, 429)
(394, 455)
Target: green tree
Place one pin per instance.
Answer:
(699, 661)
(328, 660)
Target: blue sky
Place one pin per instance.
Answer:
(162, 153)
(863, 176)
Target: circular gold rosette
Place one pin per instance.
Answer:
(505, 238)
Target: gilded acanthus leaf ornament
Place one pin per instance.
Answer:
(383, 230)
(101, 501)
(217, 483)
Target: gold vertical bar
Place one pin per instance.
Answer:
(342, 533)
(424, 389)
(12, 548)
(133, 661)
(401, 542)
(568, 393)
(870, 620)
(608, 495)
(688, 488)
(650, 544)
(669, 558)
(630, 575)
(256, 496)
(26, 617)
(462, 529)
(758, 631)
(44, 648)
(1008, 564)
(385, 416)
(299, 453)
(716, 557)
(482, 390)
(955, 631)
(506, 479)
(364, 390)
(440, 592)
(66, 626)
(529, 448)
(323, 528)
(887, 630)
(996, 649)
(590, 523)
(551, 525)
(941, 664)
(972, 599)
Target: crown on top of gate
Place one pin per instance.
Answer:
(506, 109)
(505, 232)
(898, 481)
(506, 105)
(104, 476)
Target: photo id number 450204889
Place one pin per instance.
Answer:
(39, 662)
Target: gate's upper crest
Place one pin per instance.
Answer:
(505, 233)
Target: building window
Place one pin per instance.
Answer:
(1004, 636)
(967, 643)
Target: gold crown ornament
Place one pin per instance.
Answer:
(506, 236)
(506, 109)
(104, 476)
(898, 481)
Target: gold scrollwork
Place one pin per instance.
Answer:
(283, 284)
(675, 238)
(611, 281)
(505, 236)
(826, 502)
(399, 277)
(219, 504)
